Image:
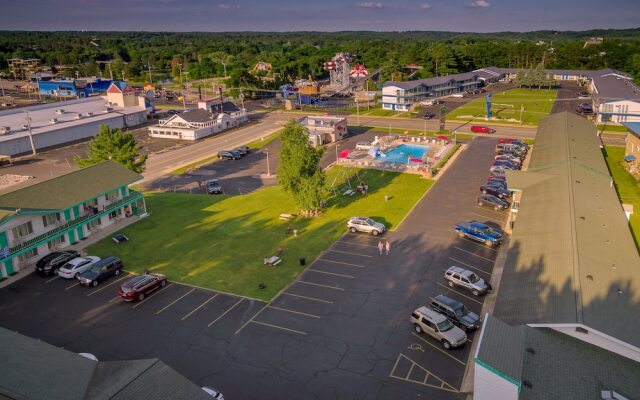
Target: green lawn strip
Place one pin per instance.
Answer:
(537, 104)
(627, 186)
(219, 242)
(258, 144)
(613, 128)
(446, 158)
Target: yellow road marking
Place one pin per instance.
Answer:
(469, 265)
(225, 313)
(455, 291)
(343, 263)
(330, 273)
(305, 297)
(106, 286)
(199, 307)
(280, 327)
(438, 348)
(175, 301)
(443, 385)
(294, 312)
(474, 254)
(348, 252)
(317, 284)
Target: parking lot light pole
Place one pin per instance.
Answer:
(268, 169)
(425, 126)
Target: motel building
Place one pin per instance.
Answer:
(53, 214)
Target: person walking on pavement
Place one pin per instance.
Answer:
(388, 247)
(380, 246)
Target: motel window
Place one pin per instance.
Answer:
(50, 219)
(91, 203)
(55, 242)
(95, 223)
(115, 213)
(28, 255)
(22, 230)
(111, 195)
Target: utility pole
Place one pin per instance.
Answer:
(33, 145)
(241, 99)
(110, 71)
(2, 87)
(358, 110)
(268, 169)
(521, 110)
(149, 65)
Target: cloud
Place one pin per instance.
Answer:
(478, 4)
(370, 4)
(229, 7)
(425, 6)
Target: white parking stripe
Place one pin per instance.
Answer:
(348, 252)
(106, 286)
(225, 313)
(466, 239)
(356, 244)
(52, 279)
(455, 291)
(176, 300)
(279, 327)
(489, 218)
(317, 284)
(294, 312)
(469, 265)
(309, 298)
(330, 273)
(491, 211)
(343, 263)
(148, 297)
(199, 307)
(72, 286)
(474, 254)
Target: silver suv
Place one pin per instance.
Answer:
(438, 326)
(457, 276)
(367, 225)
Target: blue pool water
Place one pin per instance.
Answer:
(401, 154)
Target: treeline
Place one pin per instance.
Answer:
(300, 54)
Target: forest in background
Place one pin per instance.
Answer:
(302, 54)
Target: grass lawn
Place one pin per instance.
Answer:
(219, 242)
(613, 128)
(506, 107)
(627, 186)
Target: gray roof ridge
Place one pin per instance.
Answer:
(154, 362)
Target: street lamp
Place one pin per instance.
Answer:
(268, 169)
(337, 152)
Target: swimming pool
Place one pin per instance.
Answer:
(402, 153)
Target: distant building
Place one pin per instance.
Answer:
(593, 41)
(210, 118)
(325, 129)
(262, 66)
(23, 68)
(632, 147)
(75, 87)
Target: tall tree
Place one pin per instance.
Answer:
(114, 145)
(299, 172)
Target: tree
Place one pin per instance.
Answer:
(299, 172)
(114, 145)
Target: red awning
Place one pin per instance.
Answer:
(443, 137)
(344, 153)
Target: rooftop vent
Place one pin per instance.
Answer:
(77, 116)
(60, 111)
(109, 109)
(53, 120)
(531, 350)
(89, 114)
(5, 129)
(25, 126)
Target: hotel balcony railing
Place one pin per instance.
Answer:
(133, 195)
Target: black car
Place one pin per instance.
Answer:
(497, 182)
(496, 190)
(455, 312)
(492, 201)
(214, 187)
(429, 115)
(584, 110)
(227, 155)
(241, 151)
(506, 164)
(101, 270)
(236, 152)
(49, 264)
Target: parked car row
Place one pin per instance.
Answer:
(234, 154)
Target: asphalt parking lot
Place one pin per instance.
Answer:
(339, 330)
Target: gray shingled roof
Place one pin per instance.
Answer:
(438, 80)
(197, 115)
(571, 257)
(501, 347)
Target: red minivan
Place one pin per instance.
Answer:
(481, 129)
(139, 286)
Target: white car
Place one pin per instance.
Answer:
(213, 393)
(75, 267)
(363, 145)
(457, 95)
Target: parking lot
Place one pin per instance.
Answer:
(339, 330)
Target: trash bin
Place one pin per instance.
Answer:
(303, 261)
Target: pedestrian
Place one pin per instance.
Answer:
(388, 247)
(380, 246)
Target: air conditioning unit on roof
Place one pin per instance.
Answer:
(53, 120)
(60, 111)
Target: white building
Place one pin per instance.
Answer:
(65, 122)
(619, 111)
(325, 129)
(210, 118)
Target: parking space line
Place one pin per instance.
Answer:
(491, 211)
(348, 252)
(469, 265)
(438, 348)
(489, 218)
(474, 254)
(52, 279)
(294, 312)
(280, 327)
(343, 263)
(114, 299)
(309, 298)
(317, 284)
(225, 313)
(148, 297)
(175, 301)
(72, 286)
(479, 244)
(250, 319)
(199, 307)
(407, 377)
(356, 244)
(330, 273)
(463, 295)
(106, 286)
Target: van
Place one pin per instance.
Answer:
(438, 326)
(101, 270)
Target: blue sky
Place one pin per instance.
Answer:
(318, 15)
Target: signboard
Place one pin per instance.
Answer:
(443, 115)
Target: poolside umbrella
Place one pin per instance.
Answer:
(443, 137)
(344, 153)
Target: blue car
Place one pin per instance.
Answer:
(479, 232)
(505, 164)
(496, 190)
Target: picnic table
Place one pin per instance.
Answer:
(273, 260)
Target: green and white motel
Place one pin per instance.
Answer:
(56, 213)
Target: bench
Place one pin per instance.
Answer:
(349, 192)
(287, 216)
(273, 261)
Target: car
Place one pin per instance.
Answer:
(584, 110)
(213, 393)
(510, 158)
(49, 264)
(585, 104)
(236, 152)
(512, 147)
(479, 232)
(138, 287)
(497, 170)
(510, 153)
(367, 225)
(240, 150)
(496, 190)
(173, 112)
(499, 183)
(497, 179)
(481, 129)
(428, 103)
(505, 164)
(363, 145)
(456, 276)
(103, 269)
(458, 95)
(227, 155)
(455, 312)
(214, 187)
(492, 201)
(73, 268)
(584, 95)
(477, 91)
(437, 326)
(246, 149)
(429, 115)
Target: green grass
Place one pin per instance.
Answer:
(219, 242)
(613, 128)
(446, 158)
(258, 144)
(537, 104)
(627, 186)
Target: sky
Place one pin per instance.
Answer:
(318, 15)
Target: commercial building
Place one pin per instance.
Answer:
(51, 215)
(55, 124)
(210, 118)
(567, 311)
(619, 111)
(632, 147)
(34, 370)
(23, 68)
(75, 87)
(325, 129)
